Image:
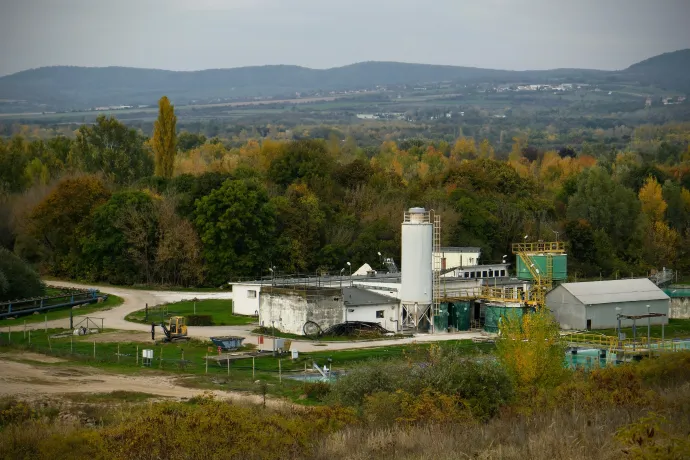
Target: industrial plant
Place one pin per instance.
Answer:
(445, 289)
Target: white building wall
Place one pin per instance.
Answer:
(460, 259)
(246, 298)
(368, 313)
(288, 312)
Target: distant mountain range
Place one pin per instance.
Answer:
(66, 87)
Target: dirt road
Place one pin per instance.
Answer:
(136, 299)
(24, 379)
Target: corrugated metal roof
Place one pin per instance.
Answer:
(614, 291)
(357, 297)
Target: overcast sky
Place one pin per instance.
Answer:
(202, 34)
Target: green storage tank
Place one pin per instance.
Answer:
(493, 314)
(560, 266)
(459, 314)
(441, 318)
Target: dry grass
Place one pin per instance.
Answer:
(546, 435)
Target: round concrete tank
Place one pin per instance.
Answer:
(416, 270)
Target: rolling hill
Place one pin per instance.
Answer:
(65, 87)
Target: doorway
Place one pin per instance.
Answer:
(589, 324)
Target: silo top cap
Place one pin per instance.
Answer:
(417, 210)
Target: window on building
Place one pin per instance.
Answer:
(467, 275)
(379, 313)
(503, 273)
(491, 273)
(251, 294)
(484, 273)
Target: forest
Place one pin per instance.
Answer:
(107, 203)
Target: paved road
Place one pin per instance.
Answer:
(136, 299)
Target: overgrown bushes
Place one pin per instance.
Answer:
(478, 382)
(17, 279)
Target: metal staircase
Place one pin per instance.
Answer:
(542, 282)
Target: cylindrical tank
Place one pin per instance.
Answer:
(416, 270)
(459, 314)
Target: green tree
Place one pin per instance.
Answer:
(236, 224)
(165, 138)
(305, 160)
(119, 245)
(187, 141)
(13, 161)
(608, 206)
(111, 148)
(17, 279)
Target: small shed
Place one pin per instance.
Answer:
(597, 304)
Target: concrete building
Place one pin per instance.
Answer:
(288, 308)
(597, 304)
(364, 305)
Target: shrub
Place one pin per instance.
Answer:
(400, 407)
(200, 320)
(317, 390)
(13, 411)
(17, 279)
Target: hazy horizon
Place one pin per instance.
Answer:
(215, 34)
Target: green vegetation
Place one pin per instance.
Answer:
(111, 302)
(676, 329)
(17, 279)
(220, 311)
(325, 338)
(113, 396)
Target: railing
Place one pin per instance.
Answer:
(72, 297)
(540, 247)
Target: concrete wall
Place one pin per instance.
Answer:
(604, 316)
(246, 298)
(680, 308)
(291, 309)
(569, 311)
(368, 313)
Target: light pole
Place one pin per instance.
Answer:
(380, 259)
(350, 265)
(273, 275)
(556, 235)
(341, 278)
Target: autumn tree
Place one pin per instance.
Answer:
(17, 279)
(165, 138)
(651, 197)
(486, 150)
(59, 221)
(178, 251)
(531, 349)
(464, 148)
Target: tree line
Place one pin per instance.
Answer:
(109, 204)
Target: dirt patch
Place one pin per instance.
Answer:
(117, 337)
(29, 356)
(28, 381)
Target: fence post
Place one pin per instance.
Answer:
(280, 370)
(161, 363)
(137, 355)
(50, 347)
(94, 349)
(206, 363)
(228, 365)
(252, 368)
(71, 319)
(9, 334)
(29, 337)
(101, 324)
(71, 345)
(24, 328)
(118, 352)
(45, 318)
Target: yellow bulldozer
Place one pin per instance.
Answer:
(176, 329)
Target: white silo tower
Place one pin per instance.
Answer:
(416, 291)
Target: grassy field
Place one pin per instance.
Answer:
(220, 311)
(676, 329)
(187, 360)
(111, 302)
